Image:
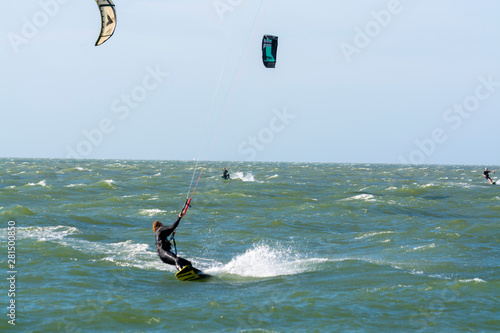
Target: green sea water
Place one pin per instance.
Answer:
(292, 247)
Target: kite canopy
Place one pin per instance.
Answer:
(108, 20)
(269, 49)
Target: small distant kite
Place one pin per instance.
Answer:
(108, 20)
(269, 50)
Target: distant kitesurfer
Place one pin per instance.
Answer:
(486, 175)
(225, 174)
(163, 245)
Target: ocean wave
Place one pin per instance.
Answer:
(40, 183)
(375, 233)
(47, 233)
(364, 197)
(424, 247)
(408, 248)
(151, 212)
(130, 254)
(125, 254)
(241, 176)
(106, 184)
(75, 185)
(473, 280)
(17, 212)
(78, 168)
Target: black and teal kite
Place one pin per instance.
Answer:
(269, 50)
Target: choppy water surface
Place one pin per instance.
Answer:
(292, 247)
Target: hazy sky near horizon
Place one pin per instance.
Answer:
(356, 81)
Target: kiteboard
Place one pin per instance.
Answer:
(189, 273)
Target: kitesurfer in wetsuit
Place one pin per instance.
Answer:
(163, 245)
(486, 175)
(225, 174)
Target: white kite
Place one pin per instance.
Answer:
(108, 20)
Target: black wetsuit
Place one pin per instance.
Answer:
(486, 174)
(163, 246)
(225, 175)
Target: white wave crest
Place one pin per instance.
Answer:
(74, 185)
(365, 197)
(40, 183)
(241, 176)
(126, 254)
(151, 212)
(47, 233)
(375, 233)
(473, 280)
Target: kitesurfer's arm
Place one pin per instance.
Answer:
(176, 223)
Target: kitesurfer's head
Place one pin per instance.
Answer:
(485, 169)
(156, 226)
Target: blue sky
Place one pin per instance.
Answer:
(357, 82)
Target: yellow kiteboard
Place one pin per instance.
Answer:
(189, 273)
